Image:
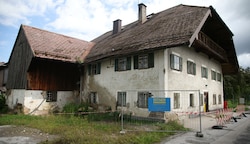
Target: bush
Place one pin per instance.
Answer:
(74, 108)
(3, 106)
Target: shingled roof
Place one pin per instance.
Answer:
(172, 27)
(49, 45)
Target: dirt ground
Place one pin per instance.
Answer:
(10, 134)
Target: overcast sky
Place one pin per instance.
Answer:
(87, 19)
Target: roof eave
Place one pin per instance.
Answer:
(195, 34)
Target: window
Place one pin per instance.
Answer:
(175, 62)
(94, 69)
(214, 99)
(143, 99)
(191, 100)
(122, 64)
(144, 61)
(219, 77)
(176, 100)
(201, 99)
(191, 68)
(204, 73)
(93, 98)
(51, 96)
(121, 99)
(213, 75)
(219, 101)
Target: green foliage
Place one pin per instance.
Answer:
(232, 104)
(74, 108)
(3, 106)
(237, 86)
(77, 130)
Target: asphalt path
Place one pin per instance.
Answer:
(240, 134)
(233, 133)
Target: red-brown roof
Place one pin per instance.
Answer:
(49, 45)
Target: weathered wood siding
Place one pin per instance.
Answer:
(20, 58)
(52, 75)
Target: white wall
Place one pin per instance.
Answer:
(161, 77)
(34, 101)
(182, 81)
(109, 82)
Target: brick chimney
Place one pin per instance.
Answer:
(117, 26)
(142, 16)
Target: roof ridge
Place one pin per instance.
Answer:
(47, 31)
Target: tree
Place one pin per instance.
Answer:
(238, 85)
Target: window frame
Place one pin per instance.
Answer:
(176, 100)
(219, 99)
(191, 100)
(213, 75)
(93, 98)
(94, 68)
(218, 76)
(121, 98)
(123, 64)
(142, 99)
(51, 96)
(148, 59)
(204, 72)
(191, 67)
(214, 99)
(174, 64)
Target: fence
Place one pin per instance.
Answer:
(149, 110)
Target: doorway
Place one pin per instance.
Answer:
(206, 102)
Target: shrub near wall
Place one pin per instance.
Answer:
(3, 106)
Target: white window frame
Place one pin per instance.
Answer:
(121, 99)
(176, 100)
(204, 72)
(175, 62)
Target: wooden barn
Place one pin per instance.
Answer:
(44, 71)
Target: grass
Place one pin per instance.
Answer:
(76, 130)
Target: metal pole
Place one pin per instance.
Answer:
(122, 131)
(199, 134)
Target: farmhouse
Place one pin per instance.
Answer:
(179, 49)
(180, 53)
(44, 72)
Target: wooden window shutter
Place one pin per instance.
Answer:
(116, 64)
(98, 68)
(150, 60)
(194, 68)
(136, 62)
(171, 61)
(128, 66)
(180, 63)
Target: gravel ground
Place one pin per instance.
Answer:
(22, 135)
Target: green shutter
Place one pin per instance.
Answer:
(171, 61)
(194, 68)
(136, 62)
(150, 60)
(116, 64)
(180, 63)
(89, 69)
(128, 66)
(98, 68)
